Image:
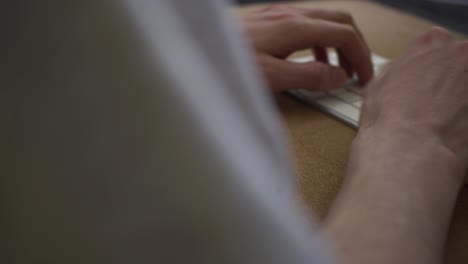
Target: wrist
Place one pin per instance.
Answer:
(397, 198)
(407, 150)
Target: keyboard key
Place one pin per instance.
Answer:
(332, 55)
(338, 106)
(338, 91)
(376, 69)
(308, 94)
(304, 59)
(348, 97)
(376, 59)
(333, 62)
(379, 67)
(358, 104)
(355, 88)
(345, 103)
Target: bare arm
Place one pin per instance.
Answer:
(407, 163)
(397, 202)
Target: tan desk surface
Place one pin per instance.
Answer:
(321, 143)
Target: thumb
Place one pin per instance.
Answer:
(315, 76)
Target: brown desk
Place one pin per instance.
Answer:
(321, 143)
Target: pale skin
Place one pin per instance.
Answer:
(414, 129)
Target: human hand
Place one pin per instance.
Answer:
(408, 161)
(424, 93)
(279, 30)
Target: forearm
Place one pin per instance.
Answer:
(396, 203)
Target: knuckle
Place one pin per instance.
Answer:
(439, 33)
(282, 13)
(436, 34)
(268, 8)
(292, 20)
(276, 7)
(349, 32)
(344, 17)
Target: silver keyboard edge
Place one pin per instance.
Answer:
(297, 94)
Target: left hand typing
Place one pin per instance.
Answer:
(277, 31)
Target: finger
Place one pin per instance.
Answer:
(332, 15)
(320, 54)
(433, 37)
(302, 34)
(344, 63)
(316, 76)
(337, 16)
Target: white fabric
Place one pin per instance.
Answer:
(143, 135)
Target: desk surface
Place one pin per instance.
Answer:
(320, 143)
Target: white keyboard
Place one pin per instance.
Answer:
(345, 103)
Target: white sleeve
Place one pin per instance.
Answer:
(143, 135)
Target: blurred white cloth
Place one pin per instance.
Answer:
(143, 135)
